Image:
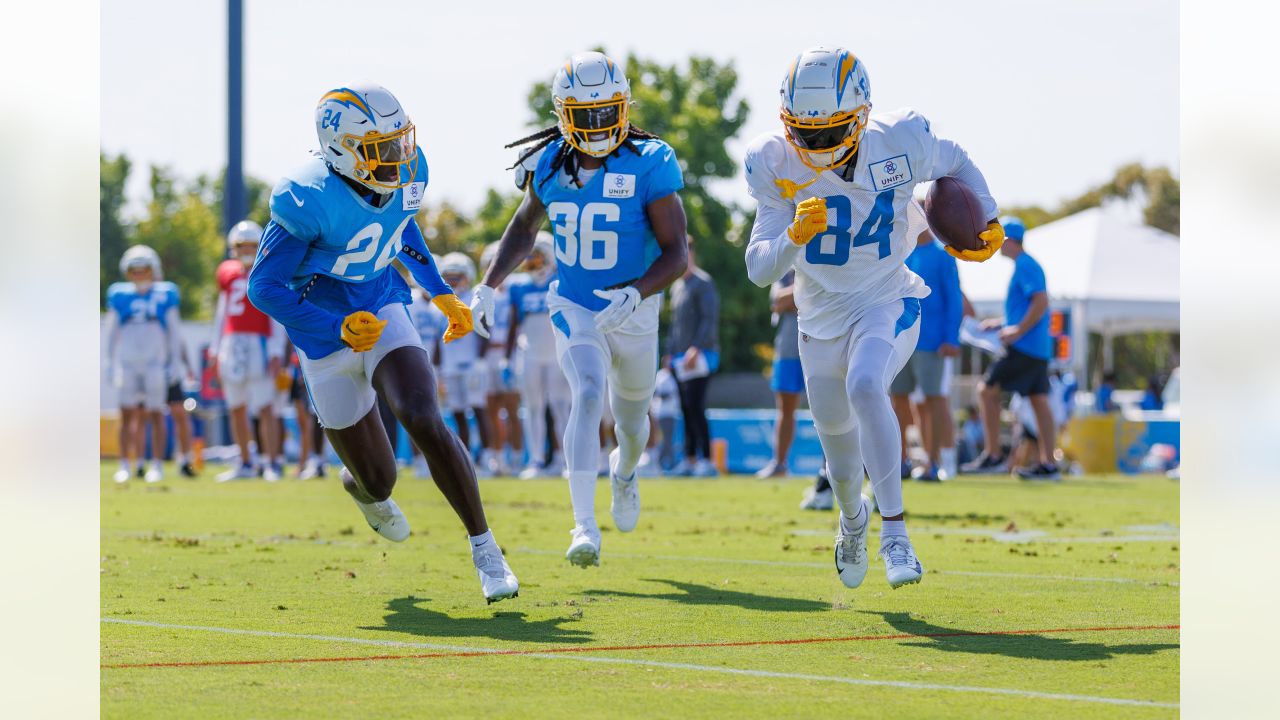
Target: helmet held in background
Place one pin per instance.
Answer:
(243, 240)
(542, 259)
(140, 264)
(456, 268)
(591, 95)
(366, 135)
(825, 105)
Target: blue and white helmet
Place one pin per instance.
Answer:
(141, 256)
(826, 102)
(243, 233)
(591, 97)
(456, 263)
(365, 135)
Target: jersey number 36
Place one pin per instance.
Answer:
(578, 241)
(833, 246)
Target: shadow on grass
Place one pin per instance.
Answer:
(408, 616)
(1030, 647)
(694, 594)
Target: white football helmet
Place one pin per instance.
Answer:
(488, 254)
(244, 234)
(826, 101)
(365, 135)
(542, 260)
(591, 96)
(141, 256)
(456, 263)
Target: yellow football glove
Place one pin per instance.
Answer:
(993, 236)
(811, 219)
(361, 330)
(459, 316)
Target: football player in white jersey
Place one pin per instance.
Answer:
(503, 405)
(834, 193)
(463, 371)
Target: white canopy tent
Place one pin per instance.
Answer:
(1114, 273)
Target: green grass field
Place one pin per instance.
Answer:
(277, 601)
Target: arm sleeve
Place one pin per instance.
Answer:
(950, 291)
(770, 253)
(422, 267)
(278, 259)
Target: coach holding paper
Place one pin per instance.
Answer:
(1025, 367)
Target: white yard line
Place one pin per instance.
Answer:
(1012, 692)
(827, 566)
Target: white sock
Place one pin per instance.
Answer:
(947, 455)
(582, 492)
(481, 539)
(855, 523)
(892, 528)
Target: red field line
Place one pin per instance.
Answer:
(621, 648)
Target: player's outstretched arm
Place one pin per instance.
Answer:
(666, 217)
(278, 259)
(517, 240)
(423, 269)
(771, 251)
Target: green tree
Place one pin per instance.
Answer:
(1158, 186)
(185, 231)
(692, 107)
(113, 233)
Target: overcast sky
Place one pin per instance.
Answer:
(1047, 97)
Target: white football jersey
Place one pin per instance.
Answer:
(872, 222)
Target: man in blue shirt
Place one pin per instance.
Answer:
(1025, 367)
(927, 368)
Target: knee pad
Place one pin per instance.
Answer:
(829, 404)
(866, 388)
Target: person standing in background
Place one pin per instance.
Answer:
(787, 382)
(694, 346)
(928, 367)
(1024, 369)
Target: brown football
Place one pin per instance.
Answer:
(954, 213)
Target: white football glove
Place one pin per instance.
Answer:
(482, 312)
(622, 302)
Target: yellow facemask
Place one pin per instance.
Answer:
(382, 159)
(579, 121)
(835, 139)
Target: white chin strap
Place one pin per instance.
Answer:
(598, 148)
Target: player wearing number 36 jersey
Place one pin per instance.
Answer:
(834, 194)
(610, 192)
(323, 271)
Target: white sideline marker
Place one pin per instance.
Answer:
(1014, 692)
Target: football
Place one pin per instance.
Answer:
(954, 213)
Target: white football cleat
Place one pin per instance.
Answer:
(497, 582)
(817, 499)
(240, 472)
(901, 566)
(384, 517)
(530, 472)
(851, 548)
(155, 472)
(270, 473)
(584, 549)
(122, 475)
(625, 507)
(310, 470)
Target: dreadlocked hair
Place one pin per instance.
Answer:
(567, 157)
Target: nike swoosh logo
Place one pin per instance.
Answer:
(788, 188)
(295, 197)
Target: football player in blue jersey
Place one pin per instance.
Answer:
(610, 191)
(144, 350)
(323, 271)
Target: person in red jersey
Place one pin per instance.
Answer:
(247, 350)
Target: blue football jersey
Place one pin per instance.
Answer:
(351, 245)
(602, 234)
(528, 298)
(153, 306)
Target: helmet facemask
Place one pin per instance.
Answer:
(384, 162)
(141, 275)
(594, 128)
(826, 143)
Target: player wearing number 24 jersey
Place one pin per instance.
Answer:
(323, 271)
(609, 190)
(834, 195)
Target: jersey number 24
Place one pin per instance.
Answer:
(833, 246)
